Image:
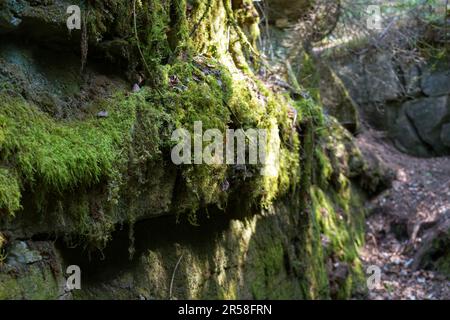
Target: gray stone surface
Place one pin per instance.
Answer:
(445, 134)
(406, 139)
(428, 116)
(373, 79)
(436, 83)
(21, 254)
(410, 100)
(336, 99)
(412, 78)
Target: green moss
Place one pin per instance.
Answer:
(55, 157)
(443, 265)
(9, 192)
(325, 168)
(268, 267)
(59, 156)
(35, 283)
(228, 102)
(345, 237)
(315, 280)
(438, 256)
(63, 155)
(200, 63)
(308, 76)
(334, 229)
(52, 158)
(311, 110)
(248, 19)
(325, 88)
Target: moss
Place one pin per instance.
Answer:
(59, 156)
(248, 18)
(260, 108)
(325, 89)
(334, 229)
(308, 76)
(443, 265)
(52, 158)
(9, 192)
(229, 293)
(268, 271)
(438, 257)
(345, 237)
(325, 168)
(63, 155)
(315, 283)
(339, 211)
(233, 104)
(198, 58)
(35, 283)
(55, 157)
(179, 39)
(311, 110)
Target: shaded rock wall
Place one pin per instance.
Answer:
(408, 100)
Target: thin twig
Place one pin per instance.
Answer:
(137, 39)
(153, 82)
(173, 276)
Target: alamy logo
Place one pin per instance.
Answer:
(374, 279)
(74, 20)
(237, 147)
(374, 21)
(74, 280)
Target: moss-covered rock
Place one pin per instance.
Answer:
(187, 236)
(30, 273)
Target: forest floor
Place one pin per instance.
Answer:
(401, 217)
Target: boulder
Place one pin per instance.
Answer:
(436, 83)
(406, 139)
(428, 116)
(373, 79)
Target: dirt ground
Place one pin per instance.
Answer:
(401, 217)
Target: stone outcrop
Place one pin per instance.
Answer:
(408, 100)
(102, 193)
